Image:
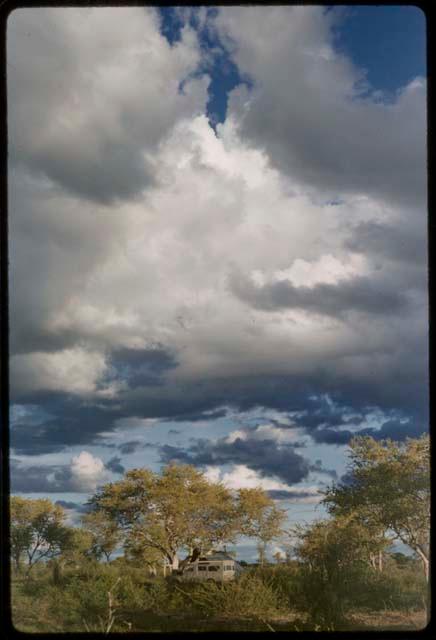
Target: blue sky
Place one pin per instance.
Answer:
(225, 214)
(388, 42)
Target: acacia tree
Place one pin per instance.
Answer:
(37, 530)
(178, 509)
(104, 532)
(135, 551)
(260, 518)
(78, 551)
(333, 555)
(388, 488)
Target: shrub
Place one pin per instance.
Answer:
(249, 596)
(283, 579)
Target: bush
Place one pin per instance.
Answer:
(283, 579)
(400, 589)
(249, 596)
(328, 597)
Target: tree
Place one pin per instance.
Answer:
(135, 551)
(333, 556)
(37, 530)
(182, 509)
(278, 557)
(104, 532)
(178, 509)
(78, 551)
(341, 541)
(260, 518)
(389, 489)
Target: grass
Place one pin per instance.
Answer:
(262, 600)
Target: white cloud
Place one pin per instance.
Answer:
(308, 110)
(75, 371)
(87, 471)
(327, 269)
(241, 477)
(266, 432)
(104, 87)
(128, 215)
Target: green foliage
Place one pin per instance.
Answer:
(262, 594)
(250, 596)
(181, 508)
(389, 488)
(103, 532)
(37, 530)
(334, 567)
(283, 580)
(333, 576)
(260, 517)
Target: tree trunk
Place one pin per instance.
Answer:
(380, 561)
(17, 564)
(57, 572)
(175, 562)
(425, 562)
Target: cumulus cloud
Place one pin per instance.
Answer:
(162, 270)
(82, 475)
(263, 456)
(71, 370)
(242, 477)
(92, 74)
(114, 465)
(87, 471)
(250, 451)
(313, 112)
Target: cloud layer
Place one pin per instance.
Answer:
(162, 270)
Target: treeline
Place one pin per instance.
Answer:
(334, 567)
(153, 517)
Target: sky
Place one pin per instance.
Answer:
(218, 244)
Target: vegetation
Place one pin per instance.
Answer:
(181, 509)
(389, 490)
(37, 531)
(340, 573)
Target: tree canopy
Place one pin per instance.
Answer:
(388, 487)
(180, 508)
(37, 530)
(104, 533)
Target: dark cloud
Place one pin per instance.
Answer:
(74, 129)
(283, 494)
(76, 506)
(201, 416)
(396, 430)
(321, 400)
(398, 243)
(319, 467)
(142, 367)
(41, 479)
(263, 456)
(391, 429)
(332, 436)
(73, 424)
(359, 294)
(130, 447)
(114, 465)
